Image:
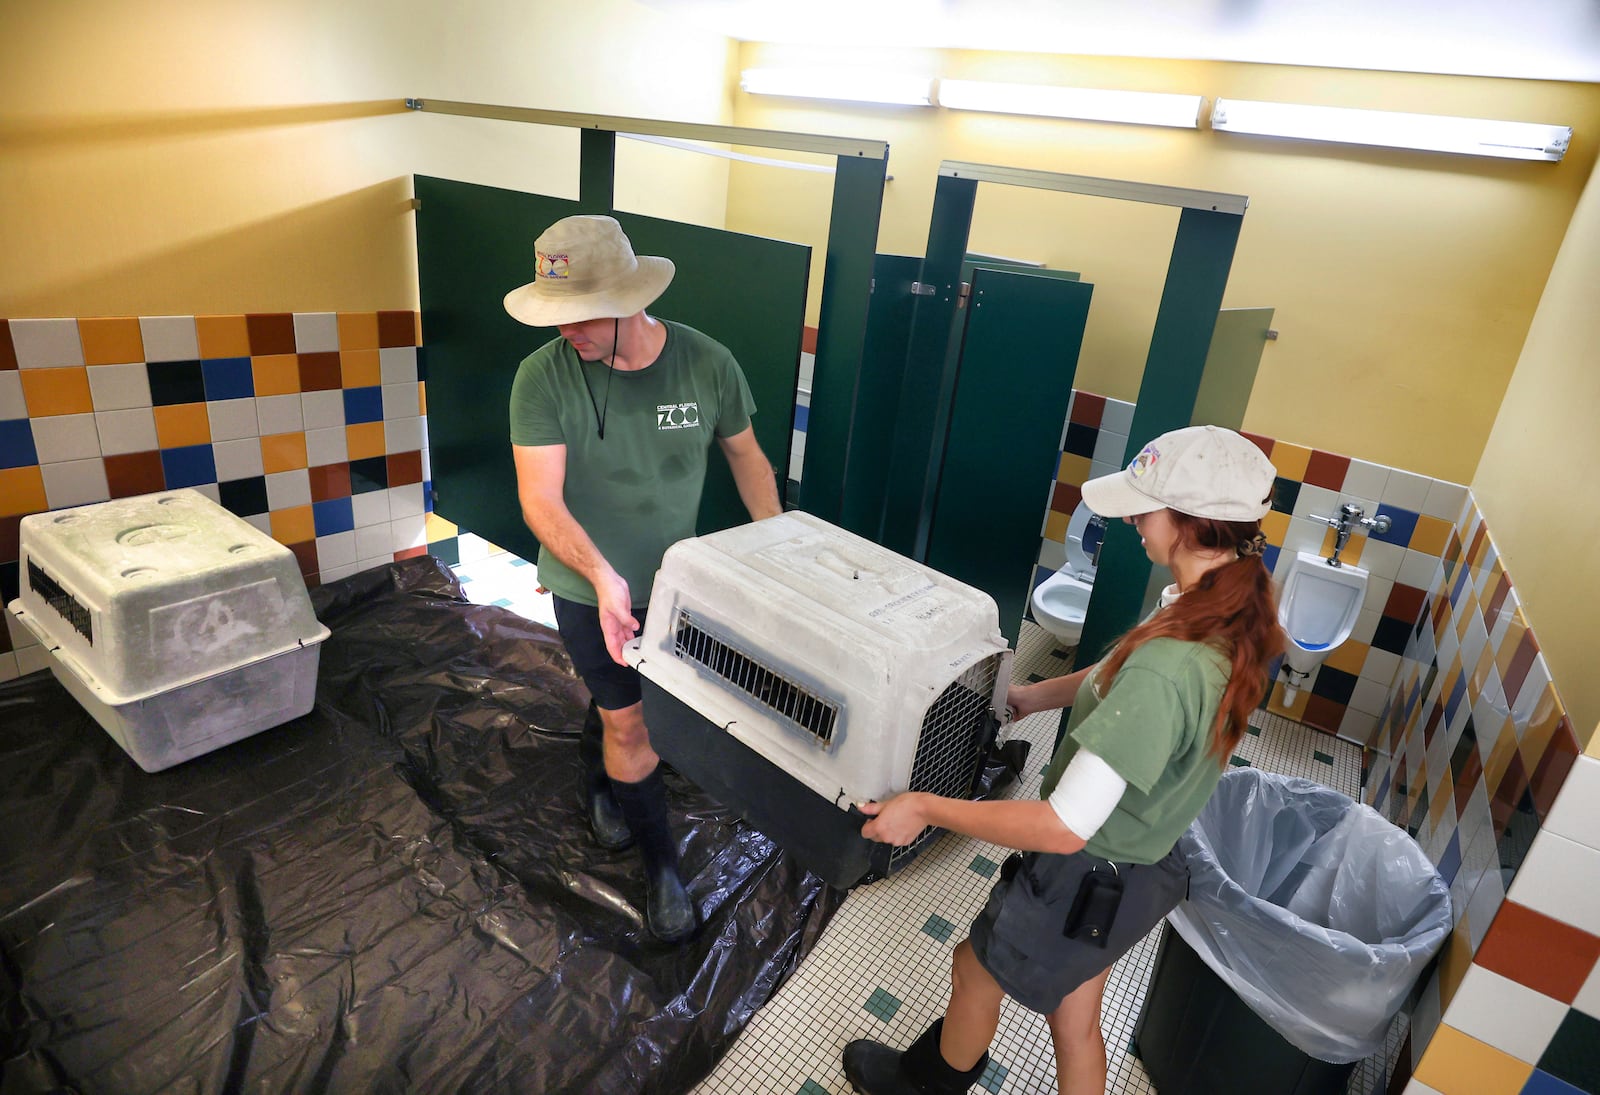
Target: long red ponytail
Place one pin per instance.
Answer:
(1232, 608)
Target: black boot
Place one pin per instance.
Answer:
(874, 1069)
(606, 822)
(669, 913)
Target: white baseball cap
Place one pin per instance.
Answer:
(1204, 471)
(585, 269)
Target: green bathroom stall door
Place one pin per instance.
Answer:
(890, 307)
(475, 244)
(1019, 354)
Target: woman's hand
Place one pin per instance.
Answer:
(1029, 825)
(1046, 695)
(1023, 700)
(898, 821)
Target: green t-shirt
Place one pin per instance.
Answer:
(1153, 727)
(636, 492)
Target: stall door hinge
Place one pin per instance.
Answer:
(966, 291)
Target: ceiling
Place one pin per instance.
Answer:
(1535, 39)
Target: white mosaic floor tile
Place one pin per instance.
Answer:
(501, 578)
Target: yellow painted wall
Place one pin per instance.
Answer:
(194, 156)
(1537, 485)
(1404, 283)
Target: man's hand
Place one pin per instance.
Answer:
(898, 821)
(617, 621)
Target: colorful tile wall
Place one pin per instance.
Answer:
(1346, 694)
(311, 426)
(1093, 441)
(1478, 760)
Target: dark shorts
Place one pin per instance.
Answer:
(1018, 935)
(613, 686)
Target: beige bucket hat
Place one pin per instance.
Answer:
(586, 269)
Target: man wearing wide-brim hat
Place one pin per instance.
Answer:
(611, 425)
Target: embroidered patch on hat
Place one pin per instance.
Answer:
(553, 266)
(1145, 461)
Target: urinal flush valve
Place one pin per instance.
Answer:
(1351, 518)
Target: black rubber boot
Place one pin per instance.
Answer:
(669, 913)
(874, 1069)
(606, 822)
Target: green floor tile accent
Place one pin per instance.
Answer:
(811, 1087)
(985, 866)
(882, 1004)
(1035, 678)
(1256, 730)
(940, 928)
(993, 1076)
(1323, 757)
(1060, 654)
(1238, 761)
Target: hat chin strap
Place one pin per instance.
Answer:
(611, 371)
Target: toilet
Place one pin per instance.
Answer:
(1317, 609)
(1060, 601)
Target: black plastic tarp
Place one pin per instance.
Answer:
(395, 893)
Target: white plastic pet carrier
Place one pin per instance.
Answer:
(794, 669)
(180, 627)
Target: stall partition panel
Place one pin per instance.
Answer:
(475, 244)
(1231, 365)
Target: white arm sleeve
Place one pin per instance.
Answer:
(1089, 790)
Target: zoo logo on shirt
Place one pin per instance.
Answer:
(677, 416)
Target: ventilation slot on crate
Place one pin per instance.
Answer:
(65, 604)
(948, 747)
(794, 702)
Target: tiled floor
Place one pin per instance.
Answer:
(881, 969)
(491, 576)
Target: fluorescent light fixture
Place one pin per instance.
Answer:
(1093, 104)
(851, 85)
(1391, 129)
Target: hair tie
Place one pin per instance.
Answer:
(1253, 546)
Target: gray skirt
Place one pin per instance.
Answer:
(1018, 937)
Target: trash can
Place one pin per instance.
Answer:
(1308, 920)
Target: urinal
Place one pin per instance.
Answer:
(1060, 601)
(1317, 610)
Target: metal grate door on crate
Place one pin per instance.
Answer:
(798, 705)
(951, 742)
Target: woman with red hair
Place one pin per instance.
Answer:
(1152, 727)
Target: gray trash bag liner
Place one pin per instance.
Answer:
(1316, 911)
